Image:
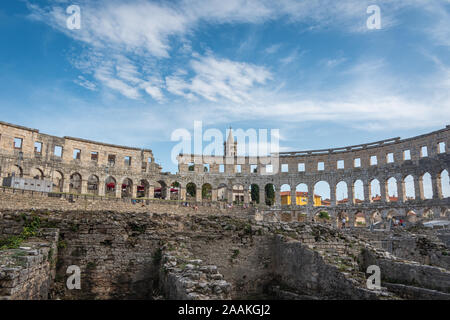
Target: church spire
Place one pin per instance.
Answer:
(230, 146)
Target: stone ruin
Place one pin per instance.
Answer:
(213, 256)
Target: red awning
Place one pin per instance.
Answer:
(111, 185)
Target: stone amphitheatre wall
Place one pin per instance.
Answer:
(14, 199)
(68, 172)
(395, 158)
(86, 176)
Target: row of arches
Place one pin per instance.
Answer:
(409, 189)
(364, 219)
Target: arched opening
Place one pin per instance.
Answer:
(428, 214)
(342, 193)
(238, 194)
(301, 192)
(360, 220)
(342, 219)
(376, 217)
(160, 190)
(143, 189)
(206, 192)
(92, 185)
(411, 217)
(445, 184)
(285, 195)
(391, 214)
(37, 174)
(322, 216)
(58, 181)
(444, 213)
(375, 194)
(75, 183)
(254, 193)
(175, 191)
(110, 187)
(17, 171)
(222, 192)
(392, 189)
(191, 191)
(127, 188)
(410, 192)
(270, 194)
(322, 194)
(427, 188)
(358, 191)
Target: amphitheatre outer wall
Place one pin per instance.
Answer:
(136, 170)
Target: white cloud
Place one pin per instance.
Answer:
(219, 78)
(127, 41)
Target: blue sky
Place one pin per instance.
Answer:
(138, 70)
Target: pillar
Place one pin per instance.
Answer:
(198, 194)
(366, 186)
(183, 194)
(332, 194)
(134, 191)
(151, 192)
(351, 192)
(246, 195)
(293, 196)
(66, 186)
(277, 196)
(437, 186)
(84, 184)
(214, 194)
(101, 188)
(230, 194)
(418, 188)
(119, 190)
(310, 196)
(401, 190)
(262, 195)
(383, 191)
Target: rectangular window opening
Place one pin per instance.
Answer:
(301, 167)
(94, 156)
(390, 158)
(441, 147)
(111, 160)
(77, 154)
(18, 143)
(38, 147)
(407, 155)
(320, 166)
(58, 151)
(423, 152)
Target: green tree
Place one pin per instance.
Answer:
(191, 189)
(206, 191)
(255, 193)
(270, 194)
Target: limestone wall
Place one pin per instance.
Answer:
(27, 273)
